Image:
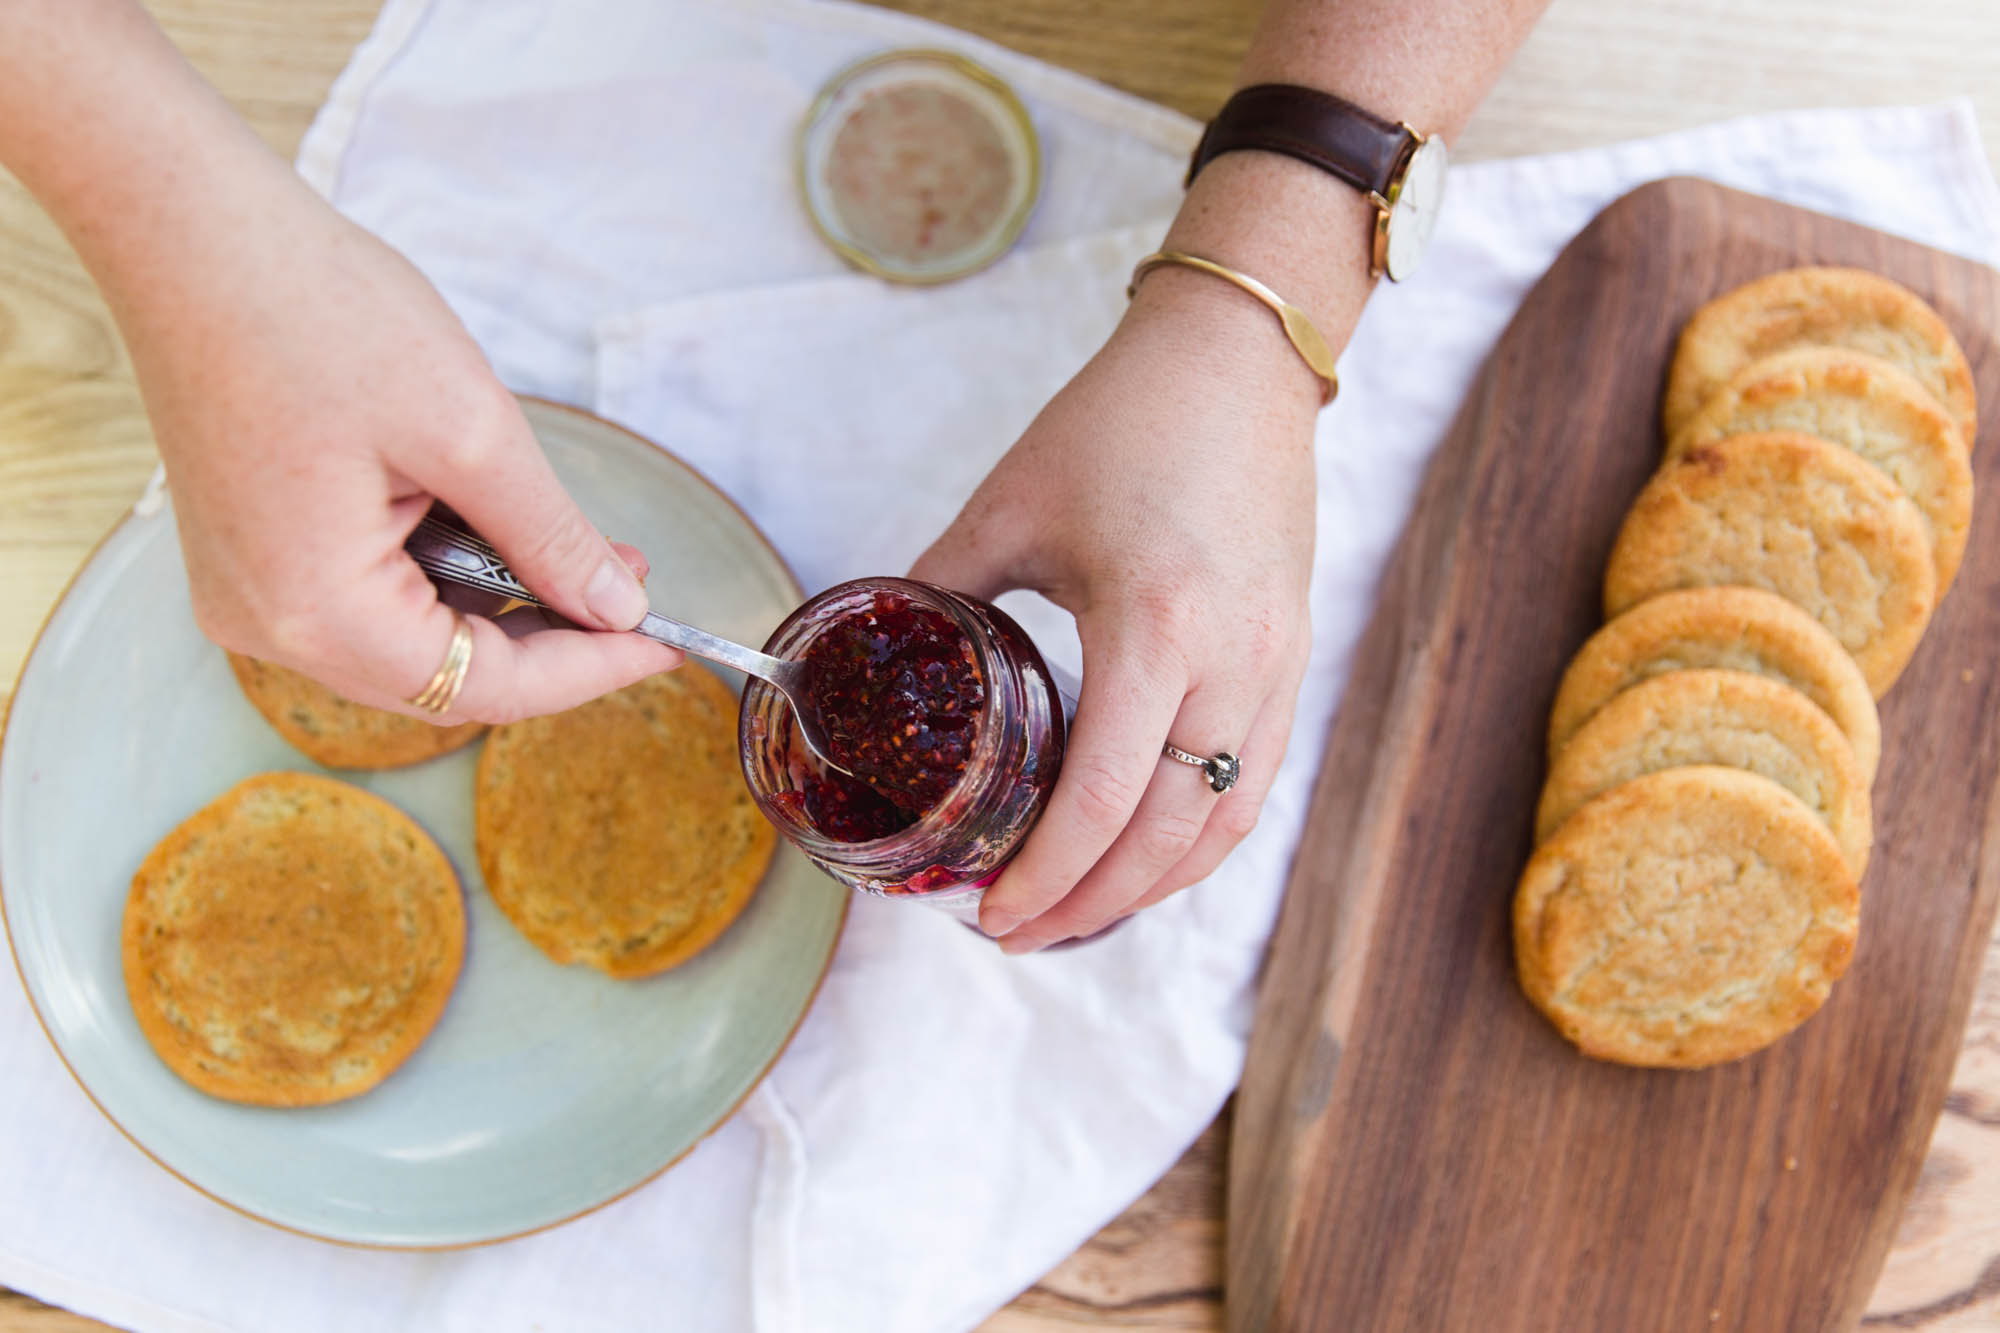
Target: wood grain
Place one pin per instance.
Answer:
(22, 1314)
(1511, 1185)
(74, 449)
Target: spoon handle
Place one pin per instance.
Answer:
(448, 551)
(727, 652)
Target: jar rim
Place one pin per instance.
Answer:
(935, 825)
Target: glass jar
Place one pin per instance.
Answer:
(953, 850)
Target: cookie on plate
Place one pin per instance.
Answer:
(1739, 629)
(620, 833)
(1795, 516)
(292, 942)
(1817, 307)
(1730, 718)
(1863, 403)
(337, 732)
(1686, 918)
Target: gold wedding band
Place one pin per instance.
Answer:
(437, 697)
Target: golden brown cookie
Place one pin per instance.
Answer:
(1817, 307)
(1863, 403)
(620, 833)
(1686, 918)
(1731, 718)
(1738, 629)
(1793, 515)
(333, 731)
(292, 942)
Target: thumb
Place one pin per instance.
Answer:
(969, 557)
(503, 486)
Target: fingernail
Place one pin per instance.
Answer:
(1019, 944)
(997, 923)
(636, 562)
(614, 596)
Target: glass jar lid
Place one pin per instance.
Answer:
(919, 166)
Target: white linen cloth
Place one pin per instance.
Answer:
(602, 190)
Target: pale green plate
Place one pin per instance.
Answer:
(544, 1091)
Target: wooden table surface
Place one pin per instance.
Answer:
(74, 452)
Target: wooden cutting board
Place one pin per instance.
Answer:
(1415, 1147)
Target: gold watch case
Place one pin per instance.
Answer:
(1407, 218)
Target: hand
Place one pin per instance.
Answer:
(1164, 498)
(311, 394)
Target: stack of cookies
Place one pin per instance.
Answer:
(1706, 822)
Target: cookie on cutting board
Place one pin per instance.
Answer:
(1793, 515)
(1862, 403)
(1818, 307)
(1738, 629)
(1685, 918)
(1730, 718)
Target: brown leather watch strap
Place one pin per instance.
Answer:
(1330, 132)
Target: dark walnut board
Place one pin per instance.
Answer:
(1415, 1148)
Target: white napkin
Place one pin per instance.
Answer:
(947, 1123)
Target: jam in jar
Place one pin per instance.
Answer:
(948, 724)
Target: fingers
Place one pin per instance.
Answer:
(518, 617)
(1126, 707)
(1169, 821)
(543, 672)
(635, 560)
(968, 557)
(496, 476)
(1237, 809)
(385, 635)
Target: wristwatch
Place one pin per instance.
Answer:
(1400, 170)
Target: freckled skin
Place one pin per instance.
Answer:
(293, 492)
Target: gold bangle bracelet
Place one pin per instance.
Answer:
(1299, 329)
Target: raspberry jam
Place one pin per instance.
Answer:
(899, 690)
(946, 717)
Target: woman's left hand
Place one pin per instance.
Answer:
(1165, 498)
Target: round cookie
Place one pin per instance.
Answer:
(1863, 403)
(1738, 629)
(1730, 718)
(336, 732)
(1792, 515)
(620, 833)
(1686, 918)
(292, 942)
(1817, 307)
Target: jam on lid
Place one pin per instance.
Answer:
(919, 166)
(899, 690)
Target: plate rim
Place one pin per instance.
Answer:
(130, 516)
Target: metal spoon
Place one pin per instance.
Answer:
(450, 552)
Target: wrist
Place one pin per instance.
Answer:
(1290, 226)
(1293, 227)
(1214, 330)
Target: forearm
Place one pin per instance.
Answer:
(144, 166)
(1297, 228)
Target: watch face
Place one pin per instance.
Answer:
(1413, 216)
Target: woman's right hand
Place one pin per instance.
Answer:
(310, 392)
(311, 395)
